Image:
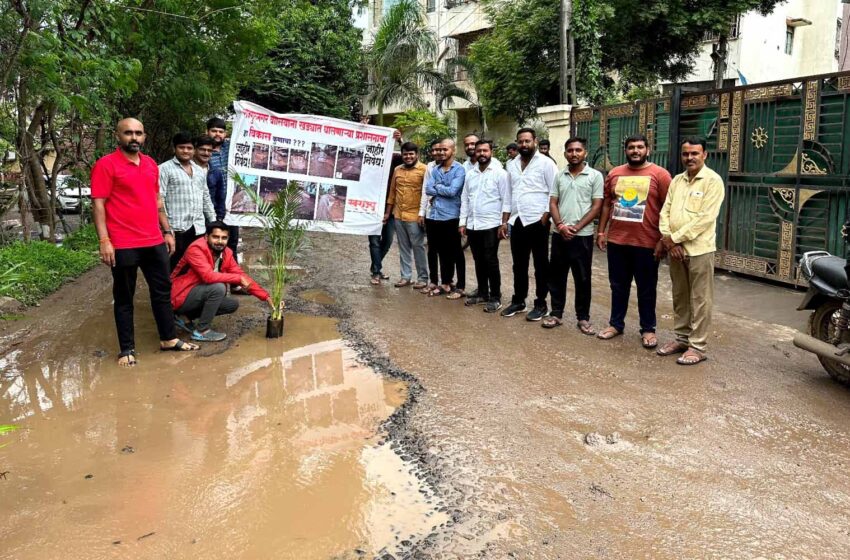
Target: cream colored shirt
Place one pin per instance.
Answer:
(689, 215)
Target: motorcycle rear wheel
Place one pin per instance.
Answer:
(821, 327)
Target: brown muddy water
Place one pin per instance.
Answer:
(272, 449)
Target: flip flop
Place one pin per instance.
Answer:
(455, 294)
(551, 322)
(403, 284)
(375, 281)
(585, 328)
(649, 344)
(438, 291)
(691, 357)
(131, 358)
(427, 288)
(180, 346)
(672, 347)
(608, 333)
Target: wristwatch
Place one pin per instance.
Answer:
(168, 232)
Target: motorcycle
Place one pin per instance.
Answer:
(828, 298)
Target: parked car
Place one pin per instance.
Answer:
(72, 194)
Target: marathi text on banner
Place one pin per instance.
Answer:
(341, 168)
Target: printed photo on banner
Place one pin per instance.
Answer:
(280, 159)
(349, 163)
(339, 169)
(307, 208)
(260, 156)
(270, 187)
(242, 203)
(331, 207)
(298, 162)
(632, 193)
(322, 160)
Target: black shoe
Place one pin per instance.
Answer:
(513, 309)
(536, 314)
(492, 306)
(475, 300)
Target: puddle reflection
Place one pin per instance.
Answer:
(253, 453)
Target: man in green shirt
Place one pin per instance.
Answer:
(574, 202)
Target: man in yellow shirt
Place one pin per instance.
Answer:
(688, 223)
(403, 202)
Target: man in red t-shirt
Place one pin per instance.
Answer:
(628, 230)
(128, 213)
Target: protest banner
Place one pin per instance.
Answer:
(341, 168)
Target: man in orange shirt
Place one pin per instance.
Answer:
(628, 230)
(404, 202)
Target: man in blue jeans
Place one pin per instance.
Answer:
(379, 245)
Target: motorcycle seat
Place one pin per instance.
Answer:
(830, 270)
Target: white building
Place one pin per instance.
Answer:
(800, 38)
(457, 23)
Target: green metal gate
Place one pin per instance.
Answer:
(780, 147)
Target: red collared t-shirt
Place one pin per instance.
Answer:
(131, 192)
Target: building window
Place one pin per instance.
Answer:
(789, 40)
(837, 38)
(734, 31)
(431, 6)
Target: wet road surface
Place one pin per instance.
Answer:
(514, 442)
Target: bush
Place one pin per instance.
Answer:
(41, 267)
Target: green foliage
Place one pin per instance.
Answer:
(399, 62)
(317, 65)
(516, 66)
(84, 239)
(422, 127)
(284, 235)
(41, 268)
(5, 429)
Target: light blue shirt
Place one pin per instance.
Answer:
(445, 188)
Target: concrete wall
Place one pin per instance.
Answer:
(759, 52)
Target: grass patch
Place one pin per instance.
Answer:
(39, 268)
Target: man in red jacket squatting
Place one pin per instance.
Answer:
(199, 284)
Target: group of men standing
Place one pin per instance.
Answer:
(642, 214)
(167, 221)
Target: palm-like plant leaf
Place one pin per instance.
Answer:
(284, 235)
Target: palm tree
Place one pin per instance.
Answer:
(400, 62)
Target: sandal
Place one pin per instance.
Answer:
(403, 283)
(419, 286)
(385, 276)
(691, 357)
(427, 288)
(649, 340)
(455, 294)
(376, 280)
(179, 346)
(438, 291)
(130, 361)
(672, 347)
(586, 328)
(551, 322)
(608, 333)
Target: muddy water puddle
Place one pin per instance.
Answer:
(270, 450)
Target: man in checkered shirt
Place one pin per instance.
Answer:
(183, 185)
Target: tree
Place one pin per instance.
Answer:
(516, 64)
(400, 62)
(70, 68)
(317, 65)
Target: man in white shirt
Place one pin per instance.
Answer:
(485, 207)
(531, 177)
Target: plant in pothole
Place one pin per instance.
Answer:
(284, 235)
